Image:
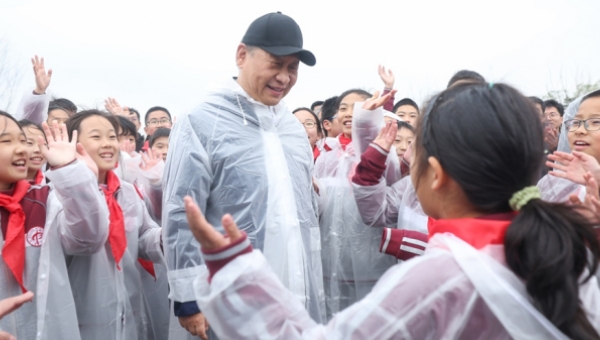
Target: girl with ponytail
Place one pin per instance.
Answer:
(500, 262)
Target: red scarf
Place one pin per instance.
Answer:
(316, 153)
(116, 230)
(478, 232)
(13, 251)
(39, 177)
(344, 141)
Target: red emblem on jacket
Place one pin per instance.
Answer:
(34, 236)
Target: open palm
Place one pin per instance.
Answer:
(573, 166)
(59, 150)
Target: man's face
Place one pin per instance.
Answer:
(265, 77)
(553, 116)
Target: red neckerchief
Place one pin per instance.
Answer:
(116, 230)
(148, 266)
(478, 232)
(13, 251)
(39, 177)
(316, 152)
(344, 141)
(146, 146)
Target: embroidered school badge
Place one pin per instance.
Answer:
(34, 236)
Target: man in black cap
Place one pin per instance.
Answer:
(242, 152)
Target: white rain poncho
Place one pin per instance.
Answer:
(109, 301)
(440, 295)
(570, 112)
(390, 203)
(76, 223)
(155, 288)
(235, 155)
(352, 263)
(33, 107)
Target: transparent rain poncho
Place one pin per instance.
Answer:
(352, 263)
(76, 225)
(235, 155)
(556, 189)
(454, 291)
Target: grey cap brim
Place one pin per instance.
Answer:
(305, 56)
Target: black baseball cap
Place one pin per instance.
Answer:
(279, 35)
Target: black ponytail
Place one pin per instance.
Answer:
(549, 246)
(489, 139)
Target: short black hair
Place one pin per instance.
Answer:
(538, 101)
(555, 104)
(315, 104)
(359, 92)
(160, 132)
(466, 75)
(406, 101)
(137, 113)
(74, 122)
(328, 109)
(403, 124)
(62, 103)
(590, 95)
(156, 108)
(127, 127)
(319, 127)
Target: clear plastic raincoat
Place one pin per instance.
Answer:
(33, 107)
(352, 263)
(109, 300)
(235, 155)
(440, 295)
(76, 224)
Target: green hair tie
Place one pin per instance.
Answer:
(522, 197)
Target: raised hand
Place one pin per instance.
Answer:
(208, 237)
(150, 159)
(42, 78)
(59, 151)
(551, 138)
(591, 204)
(113, 107)
(376, 101)
(387, 77)
(83, 156)
(573, 166)
(386, 137)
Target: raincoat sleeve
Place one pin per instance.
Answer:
(150, 238)
(33, 107)
(378, 204)
(245, 300)
(365, 127)
(187, 172)
(151, 183)
(83, 222)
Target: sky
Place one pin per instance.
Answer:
(167, 53)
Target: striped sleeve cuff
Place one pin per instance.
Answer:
(403, 244)
(218, 258)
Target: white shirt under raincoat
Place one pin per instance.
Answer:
(76, 224)
(235, 155)
(110, 304)
(352, 263)
(454, 291)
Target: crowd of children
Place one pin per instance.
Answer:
(413, 204)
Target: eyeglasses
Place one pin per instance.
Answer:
(551, 115)
(591, 124)
(163, 121)
(309, 124)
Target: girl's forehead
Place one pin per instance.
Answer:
(9, 126)
(589, 107)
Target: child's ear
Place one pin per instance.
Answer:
(440, 176)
